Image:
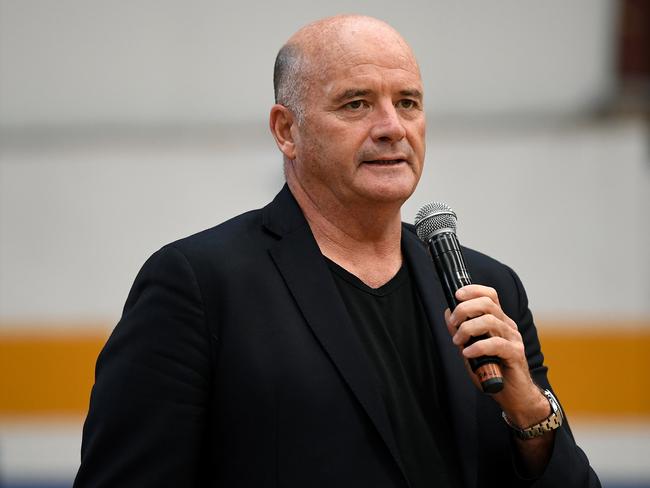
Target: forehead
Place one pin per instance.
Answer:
(370, 55)
(361, 73)
(366, 64)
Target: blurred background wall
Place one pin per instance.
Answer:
(125, 125)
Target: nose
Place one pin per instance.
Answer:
(387, 126)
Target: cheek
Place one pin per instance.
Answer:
(336, 145)
(418, 139)
(420, 128)
(308, 146)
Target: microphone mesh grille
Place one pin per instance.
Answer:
(432, 218)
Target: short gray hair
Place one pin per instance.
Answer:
(289, 79)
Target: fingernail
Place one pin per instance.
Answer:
(460, 293)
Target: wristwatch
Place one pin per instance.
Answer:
(549, 424)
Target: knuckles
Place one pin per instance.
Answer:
(520, 349)
(483, 291)
(489, 324)
(492, 293)
(474, 307)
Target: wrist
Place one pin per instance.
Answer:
(548, 424)
(529, 410)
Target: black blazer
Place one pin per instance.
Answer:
(235, 365)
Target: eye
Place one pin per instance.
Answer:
(407, 103)
(355, 105)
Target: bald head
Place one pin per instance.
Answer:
(309, 53)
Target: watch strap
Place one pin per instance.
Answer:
(550, 423)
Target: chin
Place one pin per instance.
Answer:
(389, 193)
(390, 189)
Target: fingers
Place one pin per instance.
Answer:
(478, 315)
(506, 349)
(475, 291)
(487, 324)
(478, 300)
(474, 307)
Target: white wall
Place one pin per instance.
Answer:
(124, 125)
(77, 219)
(79, 62)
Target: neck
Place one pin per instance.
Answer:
(365, 239)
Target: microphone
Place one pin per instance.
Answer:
(435, 224)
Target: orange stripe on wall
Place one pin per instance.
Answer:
(47, 373)
(599, 370)
(596, 371)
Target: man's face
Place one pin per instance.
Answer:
(363, 135)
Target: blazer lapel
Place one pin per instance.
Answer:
(307, 276)
(459, 389)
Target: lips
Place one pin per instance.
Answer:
(385, 162)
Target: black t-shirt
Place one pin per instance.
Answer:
(392, 326)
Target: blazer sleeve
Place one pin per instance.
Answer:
(147, 420)
(568, 466)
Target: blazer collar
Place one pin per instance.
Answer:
(307, 276)
(283, 215)
(458, 387)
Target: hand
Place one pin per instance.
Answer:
(479, 313)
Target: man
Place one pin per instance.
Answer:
(304, 344)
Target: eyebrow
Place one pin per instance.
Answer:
(358, 92)
(352, 93)
(411, 93)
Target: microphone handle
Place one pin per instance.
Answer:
(450, 265)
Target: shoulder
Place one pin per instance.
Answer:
(236, 247)
(486, 270)
(238, 231)
(477, 262)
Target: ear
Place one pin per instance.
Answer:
(280, 122)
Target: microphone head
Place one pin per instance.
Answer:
(434, 218)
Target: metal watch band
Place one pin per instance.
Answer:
(549, 424)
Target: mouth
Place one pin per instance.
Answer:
(385, 162)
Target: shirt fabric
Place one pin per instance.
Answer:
(392, 326)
